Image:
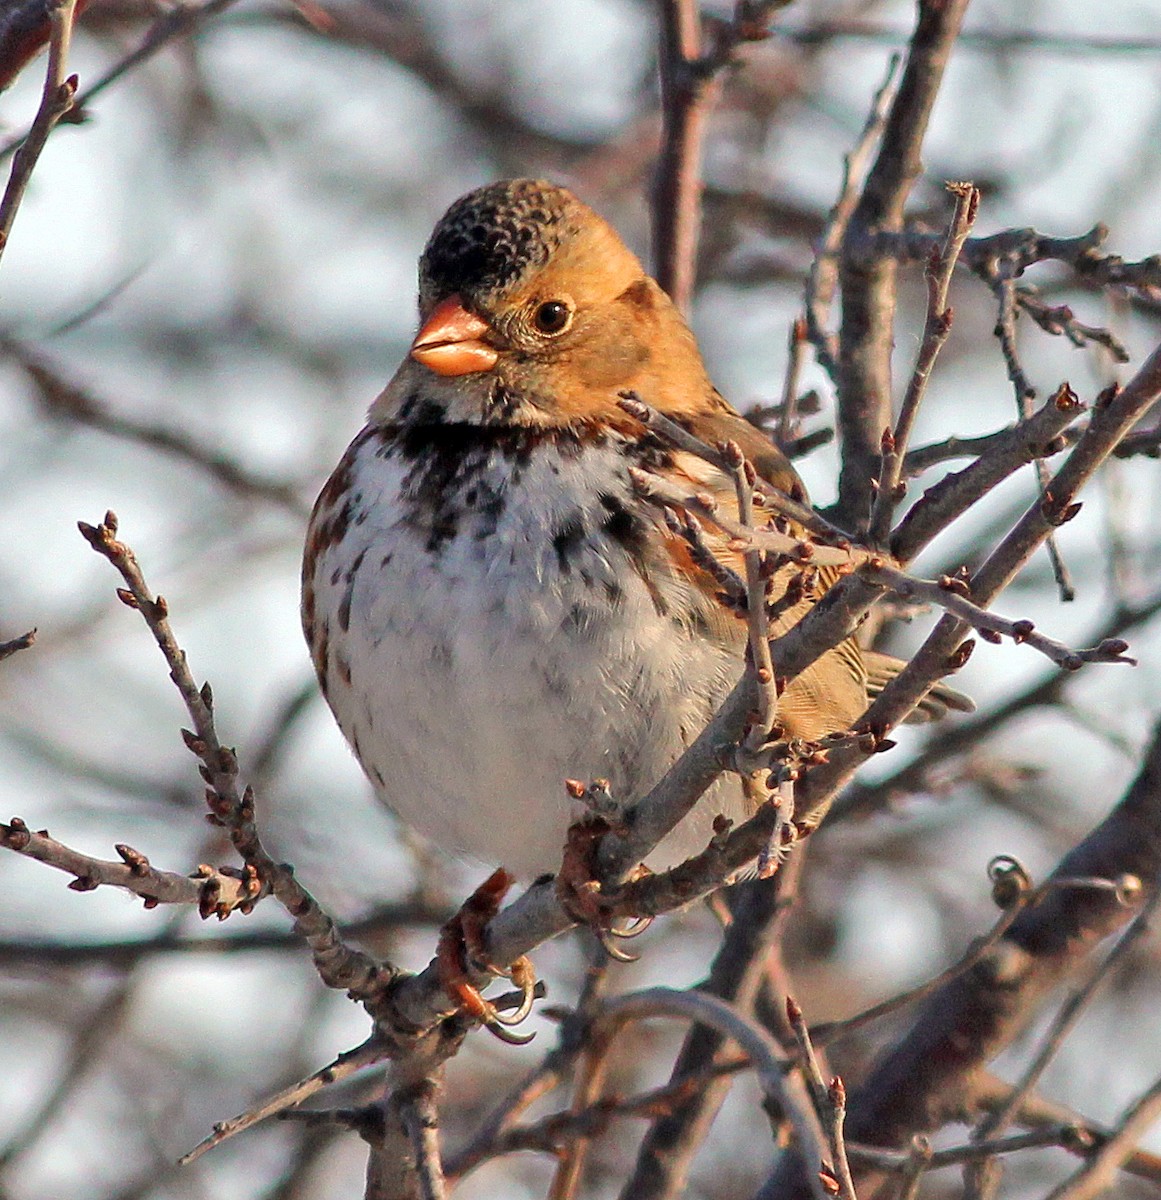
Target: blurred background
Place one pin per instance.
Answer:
(209, 281)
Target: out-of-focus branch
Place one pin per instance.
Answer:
(16, 644)
(175, 22)
(998, 1120)
(928, 1077)
(991, 1093)
(56, 99)
(783, 1089)
(64, 400)
(690, 78)
(868, 287)
(822, 281)
(759, 910)
(383, 922)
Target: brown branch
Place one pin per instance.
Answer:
(338, 965)
(57, 97)
(830, 1103)
(384, 919)
(868, 287)
(347, 1064)
(1012, 251)
(1063, 1023)
(928, 1077)
(214, 892)
(1036, 1113)
(16, 644)
(953, 595)
(690, 83)
(1098, 1172)
(759, 912)
(936, 329)
(497, 1134)
(784, 1090)
(550, 1134)
(176, 21)
(420, 1116)
(822, 281)
(64, 400)
(942, 651)
(969, 735)
(1030, 440)
(688, 91)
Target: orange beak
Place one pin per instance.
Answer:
(451, 341)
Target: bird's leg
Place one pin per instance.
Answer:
(577, 886)
(462, 948)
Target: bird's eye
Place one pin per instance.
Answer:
(552, 316)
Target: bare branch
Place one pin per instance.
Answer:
(214, 892)
(16, 644)
(56, 99)
(822, 281)
(868, 288)
(338, 965)
(935, 332)
(347, 1064)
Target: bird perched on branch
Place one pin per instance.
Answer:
(492, 605)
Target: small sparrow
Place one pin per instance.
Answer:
(491, 605)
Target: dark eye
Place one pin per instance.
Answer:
(552, 316)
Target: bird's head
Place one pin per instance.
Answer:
(534, 312)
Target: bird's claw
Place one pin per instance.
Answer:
(462, 948)
(581, 896)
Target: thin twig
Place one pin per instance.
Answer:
(347, 1064)
(171, 24)
(822, 281)
(830, 1102)
(935, 332)
(1097, 1173)
(214, 892)
(339, 966)
(16, 644)
(56, 99)
(65, 400)
(954, 595)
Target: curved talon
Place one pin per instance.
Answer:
(506, 1036)
(524, 978)
(635, 928)
(605, 937)
(462, 950)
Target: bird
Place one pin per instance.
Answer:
(491, 604)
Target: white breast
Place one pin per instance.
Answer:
(483, 631)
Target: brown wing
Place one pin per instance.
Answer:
(722, 424)
(831, 693)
